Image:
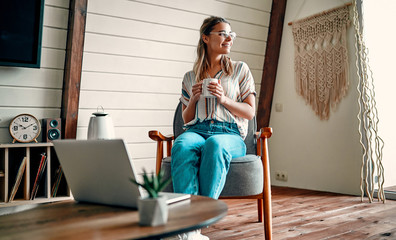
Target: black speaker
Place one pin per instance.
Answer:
(52, 129)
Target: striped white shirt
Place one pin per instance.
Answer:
(237, 87)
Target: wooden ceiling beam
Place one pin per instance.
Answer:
(73, 67)
(271, 62)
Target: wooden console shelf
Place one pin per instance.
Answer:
(11, 158)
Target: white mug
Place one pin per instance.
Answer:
(206, 93)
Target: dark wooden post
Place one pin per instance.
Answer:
(73, 67)
(271, 62)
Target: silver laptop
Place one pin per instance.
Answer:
(98, 171)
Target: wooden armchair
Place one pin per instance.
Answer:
(248, 176)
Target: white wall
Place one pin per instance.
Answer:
(380, 38)
(32, 90)
(318, 155)
(136, 53)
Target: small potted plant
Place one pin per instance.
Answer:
(153, 210)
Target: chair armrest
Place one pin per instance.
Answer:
(262, 144)
(157, 136)
(160, 139)
(265, 132)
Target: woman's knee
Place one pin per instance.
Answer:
(214, 149)
(187, 149)
(188, 141)
(225, 144)
(215, 140)
(215, 143)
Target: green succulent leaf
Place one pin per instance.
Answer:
(152, 184)
(135, 182)
(155, 182)
(161, 175)
(164, 184)
(146, 179)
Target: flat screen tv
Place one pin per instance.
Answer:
(21, 25)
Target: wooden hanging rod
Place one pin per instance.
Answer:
(324, 12)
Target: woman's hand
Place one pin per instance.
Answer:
(217, 90)
(196, 92)
(189, 111)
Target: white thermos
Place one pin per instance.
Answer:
(100, 125)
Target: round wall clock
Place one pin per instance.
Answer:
(25, 128)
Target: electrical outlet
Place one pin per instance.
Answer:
(284, 176)
(278, 107)
(281, 176)
(278, 175)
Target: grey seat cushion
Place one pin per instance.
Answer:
(244, 178)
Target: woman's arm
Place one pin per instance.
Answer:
(245, 109)
(189, 110)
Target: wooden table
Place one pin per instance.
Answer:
(72, 220)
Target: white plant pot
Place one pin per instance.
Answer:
(153, 211)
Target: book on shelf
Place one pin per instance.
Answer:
(18, 179)
(39, 175)
(58, 178)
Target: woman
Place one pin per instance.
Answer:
(215, 127)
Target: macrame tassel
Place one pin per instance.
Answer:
(321, 60)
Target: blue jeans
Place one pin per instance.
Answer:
(201, 157)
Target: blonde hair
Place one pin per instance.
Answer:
(201, 64)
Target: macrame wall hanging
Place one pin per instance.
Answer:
(321, 60)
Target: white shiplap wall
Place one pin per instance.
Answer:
(37, 91)
(136, 53)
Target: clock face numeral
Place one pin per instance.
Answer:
(25, 119)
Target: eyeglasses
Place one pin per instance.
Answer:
(225, 35)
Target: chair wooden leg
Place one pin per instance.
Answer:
(267, 216)
(260, 209)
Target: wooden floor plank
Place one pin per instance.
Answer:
(306, 214)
